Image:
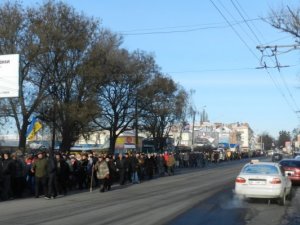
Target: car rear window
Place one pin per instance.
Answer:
(260, 169)
(290, 163)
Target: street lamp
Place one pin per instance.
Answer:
(194, 112)
(54, 95)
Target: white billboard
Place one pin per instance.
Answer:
(9, 75)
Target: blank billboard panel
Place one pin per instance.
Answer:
(9, 75)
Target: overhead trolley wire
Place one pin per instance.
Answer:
(279, 71)
(251, 51)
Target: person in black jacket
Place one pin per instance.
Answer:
(135, 169)
(1, 176)
(112, 171)
(62, 174)
(122, 167)
(149, 166)
(8, 171)
(51, 172)
(18, 178)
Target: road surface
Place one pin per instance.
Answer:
(193, 196)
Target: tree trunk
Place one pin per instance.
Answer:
(112, 143)
(66, 145)
(22, 137)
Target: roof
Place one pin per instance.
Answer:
(262, 163)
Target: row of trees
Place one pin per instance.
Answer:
(74, 76)
(270, 142)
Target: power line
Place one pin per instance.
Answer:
(241, 15)
(246, 20)
(265, 67)
(277, 63)
(214, 70)
(229, 69)
(189, 28)
(235, 31)
(233, 18)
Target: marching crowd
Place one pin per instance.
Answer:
(43, 174)
(50, 175)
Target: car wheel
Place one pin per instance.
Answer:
(282, 200)
(290, 195)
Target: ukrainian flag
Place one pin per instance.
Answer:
(33, 128)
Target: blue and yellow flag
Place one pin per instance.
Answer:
(33, 128)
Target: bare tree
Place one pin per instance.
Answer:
(16, 38)
(164, 105)
(66, 39)
(286, 19)
(125, 74)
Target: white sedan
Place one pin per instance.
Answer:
(263, 180)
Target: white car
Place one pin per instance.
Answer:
(297, 157)
(263, 180)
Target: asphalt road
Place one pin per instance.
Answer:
(195, 196)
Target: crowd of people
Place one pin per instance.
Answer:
(50, 175)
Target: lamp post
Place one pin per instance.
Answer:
(194, 112)
(193, 130)
(54, 95)
(53, 130)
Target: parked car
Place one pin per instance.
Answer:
(263, 180)
(270, 152)
(276, 157)
(296, 153)
(297, 157)
(292, 169)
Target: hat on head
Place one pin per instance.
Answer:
(57, 153)
(39, 152)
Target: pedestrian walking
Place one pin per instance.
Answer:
(51, 175)
(122, 167)
(8, 170)
(135, 167)
(39, 168)
(102, 172)
(62, 174)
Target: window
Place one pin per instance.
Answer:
(290, 163)
(260, 169)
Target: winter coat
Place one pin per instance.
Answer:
(40, 167)
(102, 170)
(134, 163)
(122, 164)
(20, 168)
(8, 167)
(62, 169)
(51, 166)
(171, 161)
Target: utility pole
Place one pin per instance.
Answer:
(275, 47)
(274, 53)
(136, 126)
(262, 144)
(193, 130)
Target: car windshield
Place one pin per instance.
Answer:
(290, 163)
(260, 169)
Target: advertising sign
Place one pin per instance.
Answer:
(9, 76)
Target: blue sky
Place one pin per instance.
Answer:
(193, 43)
